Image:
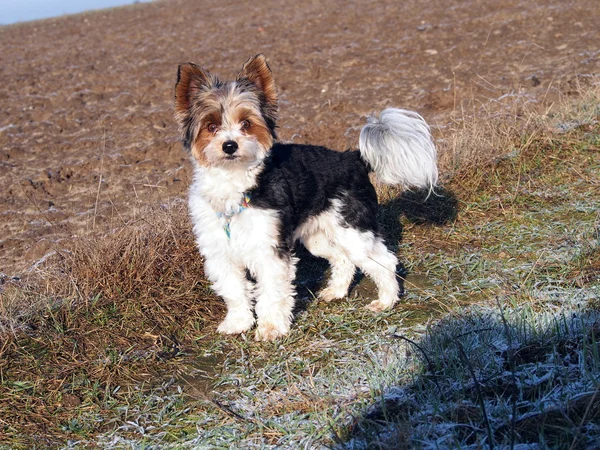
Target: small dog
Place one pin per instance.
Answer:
(252, 198)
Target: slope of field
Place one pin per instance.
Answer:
(86, 101)
(108, 327)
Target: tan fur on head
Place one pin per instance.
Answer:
(211, 113)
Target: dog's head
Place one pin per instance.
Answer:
(227, 124)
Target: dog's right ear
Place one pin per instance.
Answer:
(191, 81)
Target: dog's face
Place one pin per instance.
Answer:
(227, 124)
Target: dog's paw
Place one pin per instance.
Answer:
(236, 323)
(378, 306)
(269, 331)
(331, 293)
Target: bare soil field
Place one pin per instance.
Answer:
(86, 101)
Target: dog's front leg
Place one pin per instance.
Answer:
(274, 295)
(229, 281)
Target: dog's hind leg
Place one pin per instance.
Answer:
(369, 253)
(342, 269)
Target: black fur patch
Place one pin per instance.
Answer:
(300, 181)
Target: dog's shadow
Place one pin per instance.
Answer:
(418, 206)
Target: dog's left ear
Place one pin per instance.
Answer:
(257, 71)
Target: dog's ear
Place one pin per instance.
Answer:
(191, 80)
(257, 71)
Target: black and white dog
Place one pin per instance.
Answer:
(252, 198)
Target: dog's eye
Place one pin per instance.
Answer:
(246, 124)
(212, 127)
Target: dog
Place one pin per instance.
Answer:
(252, 198)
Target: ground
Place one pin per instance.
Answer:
(107, 325)
(86, 115)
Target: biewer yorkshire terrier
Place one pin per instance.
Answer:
(252, 197)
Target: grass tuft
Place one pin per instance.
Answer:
(103, 316)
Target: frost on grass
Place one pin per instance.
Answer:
(505, 376)
(287, 397)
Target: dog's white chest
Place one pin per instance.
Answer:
(226, 223)
(253, 232)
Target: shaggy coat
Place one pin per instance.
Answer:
(252, 198)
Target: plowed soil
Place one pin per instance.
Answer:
(87, 135)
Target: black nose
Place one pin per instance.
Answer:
(230, 147)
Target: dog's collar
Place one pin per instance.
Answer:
(228, 215)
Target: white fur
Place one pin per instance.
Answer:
(345, 247)
(319, 234)
(252, 245)
(228, 277)
(399, 148)
(222, 188)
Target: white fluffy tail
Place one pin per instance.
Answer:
(399, 149)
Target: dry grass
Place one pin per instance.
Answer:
(147, 262)
(151, 265)
(484, 135)
(109, 312)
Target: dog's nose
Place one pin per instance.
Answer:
(230, 147)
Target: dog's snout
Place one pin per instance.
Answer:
(230, 147)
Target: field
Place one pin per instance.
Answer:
(107, 325)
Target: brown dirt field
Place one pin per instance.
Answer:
(86, 128)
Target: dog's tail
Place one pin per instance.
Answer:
(399, 149)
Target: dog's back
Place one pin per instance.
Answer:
(301, 181)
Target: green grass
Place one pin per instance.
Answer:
(114, 343)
